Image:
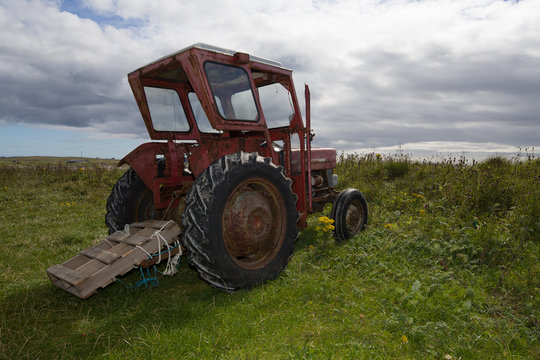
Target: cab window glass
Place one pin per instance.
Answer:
(231, 89)
(166, 110)
(276, 103)
(200, 116)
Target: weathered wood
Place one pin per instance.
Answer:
(68, 275)
(154, 224)
(75, 262)
(138, 238)
(117, 236)
(120, 252)
(104, 256)
(153, 261)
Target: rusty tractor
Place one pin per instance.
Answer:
(231, 161)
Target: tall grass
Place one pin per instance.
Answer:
(448, 266)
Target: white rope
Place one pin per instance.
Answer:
(172, 265)
(159, 238)
(165, 225)
(172, 262)
(108, 242)
(141, 248)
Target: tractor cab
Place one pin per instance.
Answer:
(206, 102)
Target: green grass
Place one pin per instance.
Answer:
(447, 266)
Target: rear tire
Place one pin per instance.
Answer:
(350, 214)
(240, 222)
(130, 201)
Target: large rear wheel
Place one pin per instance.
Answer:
(130, 201)
(240, 222)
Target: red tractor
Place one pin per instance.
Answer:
(231, 162)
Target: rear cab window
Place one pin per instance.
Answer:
(166, 110)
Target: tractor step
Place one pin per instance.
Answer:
(117, 254)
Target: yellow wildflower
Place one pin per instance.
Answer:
(326, 220)
(325, 224)
(329, 227)
(404, 339)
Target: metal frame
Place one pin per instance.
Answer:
(184, 72)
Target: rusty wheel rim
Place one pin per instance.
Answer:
(354, 217)
(254, 223)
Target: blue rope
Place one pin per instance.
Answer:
(147, 279)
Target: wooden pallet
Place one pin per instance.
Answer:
(120, 252)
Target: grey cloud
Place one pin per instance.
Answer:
(390, 98)
(373, 84)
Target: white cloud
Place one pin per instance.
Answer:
(381, 73)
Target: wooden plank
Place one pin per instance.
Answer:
(90, 267)
(153, 261)
(138, 238)
(154, 224)
(72, 277)
(101, 275)
(76, 261)
(120, 248)
(114, 247)
(117, 236)
(107, 274)
(104, 256)
(98, 266)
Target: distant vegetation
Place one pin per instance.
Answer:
(447, 268)
(51, 160)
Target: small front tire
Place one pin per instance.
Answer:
(350, 214)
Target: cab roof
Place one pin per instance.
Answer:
(219, 50)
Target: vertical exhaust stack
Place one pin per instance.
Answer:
(308, 143)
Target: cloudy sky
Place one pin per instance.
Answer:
(429, 76)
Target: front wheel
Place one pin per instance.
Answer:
(350, 214)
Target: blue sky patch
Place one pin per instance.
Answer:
(78, 8)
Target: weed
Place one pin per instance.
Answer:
(447, 268)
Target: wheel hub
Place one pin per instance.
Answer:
(253, 223)
(353, 218)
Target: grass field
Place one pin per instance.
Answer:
(448, 268)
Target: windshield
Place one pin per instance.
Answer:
(276, 103)
(231, 89)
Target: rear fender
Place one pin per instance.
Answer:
(143, 161)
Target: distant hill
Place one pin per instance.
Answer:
(47, 160)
